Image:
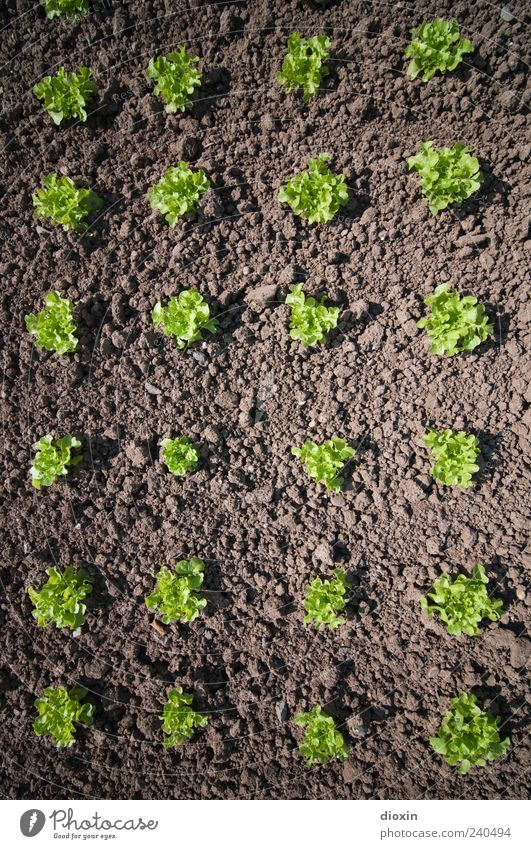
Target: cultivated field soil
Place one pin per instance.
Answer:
(246, 395)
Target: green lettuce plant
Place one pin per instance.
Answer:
(176, 78)
(455, 454)
(59, 709)
(53, 327)
(323, 462)
(455, 324)
(59, 601)
(310, 320)
(64, 204)
(447, 174)
(66, 94)
(53, 459)
(176, 597)
(71, 8)
(180, 455)
(324, 599)
(322, 741)
(178, 192)
(468, 735)
(303, 64)
(316, 194)
(462, 603)
(179, 720)
(185, 317)
(437, 46)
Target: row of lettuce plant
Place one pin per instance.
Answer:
(436, 47)
(448, 175)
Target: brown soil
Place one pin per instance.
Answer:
(248, 394)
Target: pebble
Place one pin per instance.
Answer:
(152, 390)
(281, 709)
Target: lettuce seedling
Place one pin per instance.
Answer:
(437, 47)
(455, 454)
(455, 324)
(179, 720)
(176, 596)
(310, 320)
(323, 462)
(59, 709)
(53, 459)
(64, 204)
(316, 194)
(326, 598)
(59, 601)
(71, 8)
(462, 604)
(303, 64)
(180, 455)
(178, 192)
(322, 741)
(66, 94)
(53, 327)
(468, 735)
(185, 317)
(447, 174)
(176, 77)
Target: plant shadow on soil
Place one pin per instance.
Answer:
(99, 450)
(492, 190)
(491, 700)
(501, 321)
(489, 457)
(497, 573)
(215, 83)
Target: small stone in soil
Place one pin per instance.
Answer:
(282, 710)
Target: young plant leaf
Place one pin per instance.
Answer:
(178, 192)
(180, 455)
(447, 174)
(185, 318)
(176, 78)
(179, 720)
(322, 741)
(59, 601)
(324, 599)
(310, 320)
(66, 95)
(461, 604)
(53, 459)
(437, 46)
(71, 8)
(303, 64)
(455, 454)
(59, 709)
(468, 735)
(316, 194)
(54, 327)
(176, 597)
(64, 204)
(455, 324)
(323, 462)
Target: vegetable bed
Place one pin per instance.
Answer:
(250, 522)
